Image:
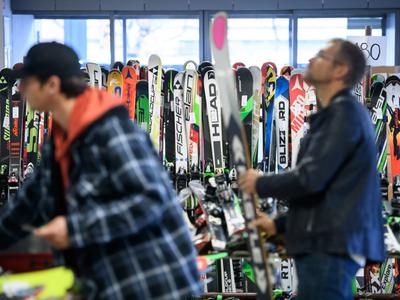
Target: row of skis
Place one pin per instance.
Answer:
(22, 132)
(183, 113)
(186, 127)
(380, 93)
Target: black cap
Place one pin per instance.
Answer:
(50, 59)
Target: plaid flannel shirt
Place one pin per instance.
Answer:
(125, 225)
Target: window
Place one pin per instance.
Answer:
(174, 40)
(90, 38)
(314, 33)
(254, 41)
(118, 41)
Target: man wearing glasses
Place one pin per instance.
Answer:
(334, 223)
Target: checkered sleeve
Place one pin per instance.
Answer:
(140, 184)
(22, 209)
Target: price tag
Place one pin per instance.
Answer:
(15, 112)
(379, 114)
(213, 116)
(6, 122)
(192, 118)
(244, 100)
(373, 47)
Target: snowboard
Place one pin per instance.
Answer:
(192, 115)
(392, 86)
(32, 131)
(378, 117)
(142, 105)
(286, 71)
(235, 223)
(213, 212)
(297, 113)
(244, 84)
(5, 78)
(118, 66)
(115, 83)
(310, 103)
(104, 77)
(95, 75)
(281, 117)
(42, 134)
(213, 104)
(86, 77)
(155, 101)
(169, 119)
(144, 73)
(205, 91)
(287, 274)
(129, 90)
(135, 64)
(269, 63)
(201, 67)
(181, 140)
(269, 86)
(237, 140)
(16, 139)
(238, 65)
(255, 126)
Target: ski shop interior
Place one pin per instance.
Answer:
(285, 32)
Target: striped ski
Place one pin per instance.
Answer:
(237, 140)
(155, 101)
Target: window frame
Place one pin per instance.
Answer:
(142, 15)
(246, 14)
(383, 26)
(204, 17)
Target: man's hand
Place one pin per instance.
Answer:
(266, 224)
(247, 181)
(55, 233)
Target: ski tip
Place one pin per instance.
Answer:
(154, 59)
(190, 63)
(219, 29)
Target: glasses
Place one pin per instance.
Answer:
(321, 54)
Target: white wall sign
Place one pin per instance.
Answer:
(374, 48)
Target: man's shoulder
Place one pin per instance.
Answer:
(115, 121)
(118, 113)
(347, 105)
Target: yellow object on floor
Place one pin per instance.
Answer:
(56, 282)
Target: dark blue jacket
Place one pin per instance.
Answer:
(334, 194)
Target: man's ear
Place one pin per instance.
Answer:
(53, 84)
(341, 71)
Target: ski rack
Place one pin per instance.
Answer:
(370, 296)
(226, 295)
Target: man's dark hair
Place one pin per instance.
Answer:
(71, 87)
(350, 55)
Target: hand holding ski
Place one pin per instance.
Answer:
(237, 140)
(247, 181)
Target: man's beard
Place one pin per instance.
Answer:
(309, 78)
(313, 80)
